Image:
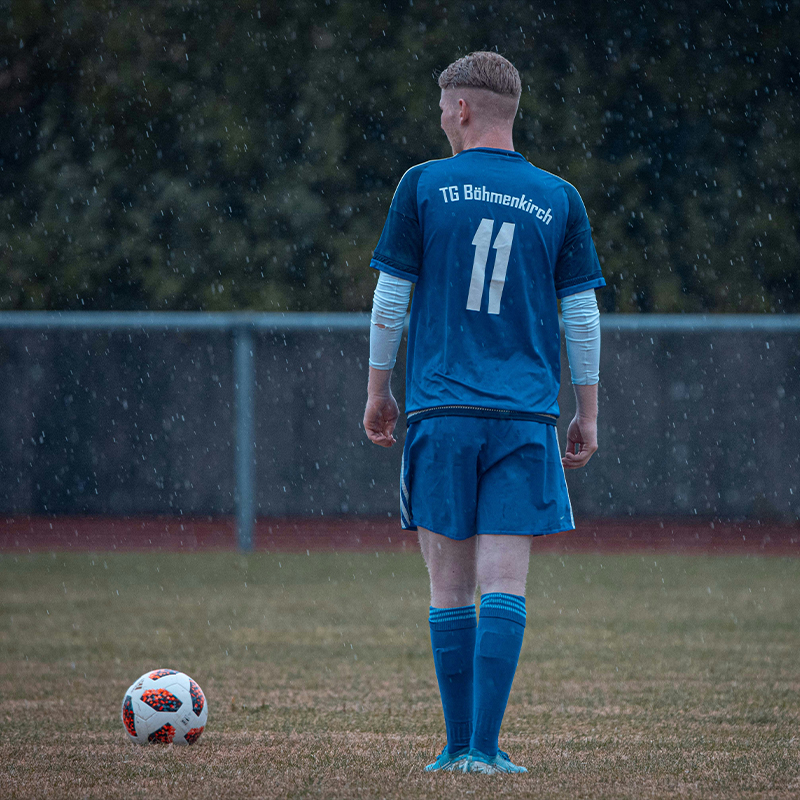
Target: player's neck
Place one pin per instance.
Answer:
(498, 140)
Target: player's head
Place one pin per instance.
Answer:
(481, 91)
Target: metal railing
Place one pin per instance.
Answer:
(243, 325)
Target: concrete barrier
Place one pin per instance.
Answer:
(130, 414)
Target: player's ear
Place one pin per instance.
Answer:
(463, 111)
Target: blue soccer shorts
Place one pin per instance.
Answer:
(463, 476)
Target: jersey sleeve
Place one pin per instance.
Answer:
(399, 250)
(577, 268)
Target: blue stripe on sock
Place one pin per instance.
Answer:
(460, 611)
(503, 601)
(501, 604)
(450, 619)
(516, 599)
(504, 606)
(500, 598)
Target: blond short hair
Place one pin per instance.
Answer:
(483, 70)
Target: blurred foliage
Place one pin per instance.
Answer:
(191, 154)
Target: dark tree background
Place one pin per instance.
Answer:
(196, 154)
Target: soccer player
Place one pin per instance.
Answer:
(490, 242)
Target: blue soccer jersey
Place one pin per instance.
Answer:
(490, 242)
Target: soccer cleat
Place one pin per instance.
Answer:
(480, 762)
(445, 762)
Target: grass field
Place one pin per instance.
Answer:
(641, 676)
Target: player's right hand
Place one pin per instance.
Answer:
(380, 418)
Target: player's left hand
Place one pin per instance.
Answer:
(581, 442)
(380, 418)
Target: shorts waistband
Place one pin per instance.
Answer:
(479, 411)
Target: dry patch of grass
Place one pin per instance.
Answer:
(640, 677)
(352, 764)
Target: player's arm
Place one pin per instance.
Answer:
(389, 307)
(398, 257)
(582, 330)
(577, 275)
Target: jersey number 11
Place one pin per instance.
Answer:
(482, 240)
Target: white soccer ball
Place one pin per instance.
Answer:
(164, 706)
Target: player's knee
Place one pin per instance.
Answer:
(446, 594)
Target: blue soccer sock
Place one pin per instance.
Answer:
(499, 641)
(453, 643)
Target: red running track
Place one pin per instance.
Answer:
(31, 534)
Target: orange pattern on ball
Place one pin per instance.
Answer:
(161, 700)
(164, 735)
(193, 735)
(127, 716)
(161, 673)
(198, 698)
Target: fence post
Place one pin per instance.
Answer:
(244, 374)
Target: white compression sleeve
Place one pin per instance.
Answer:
(582, 329)
(389, 307)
